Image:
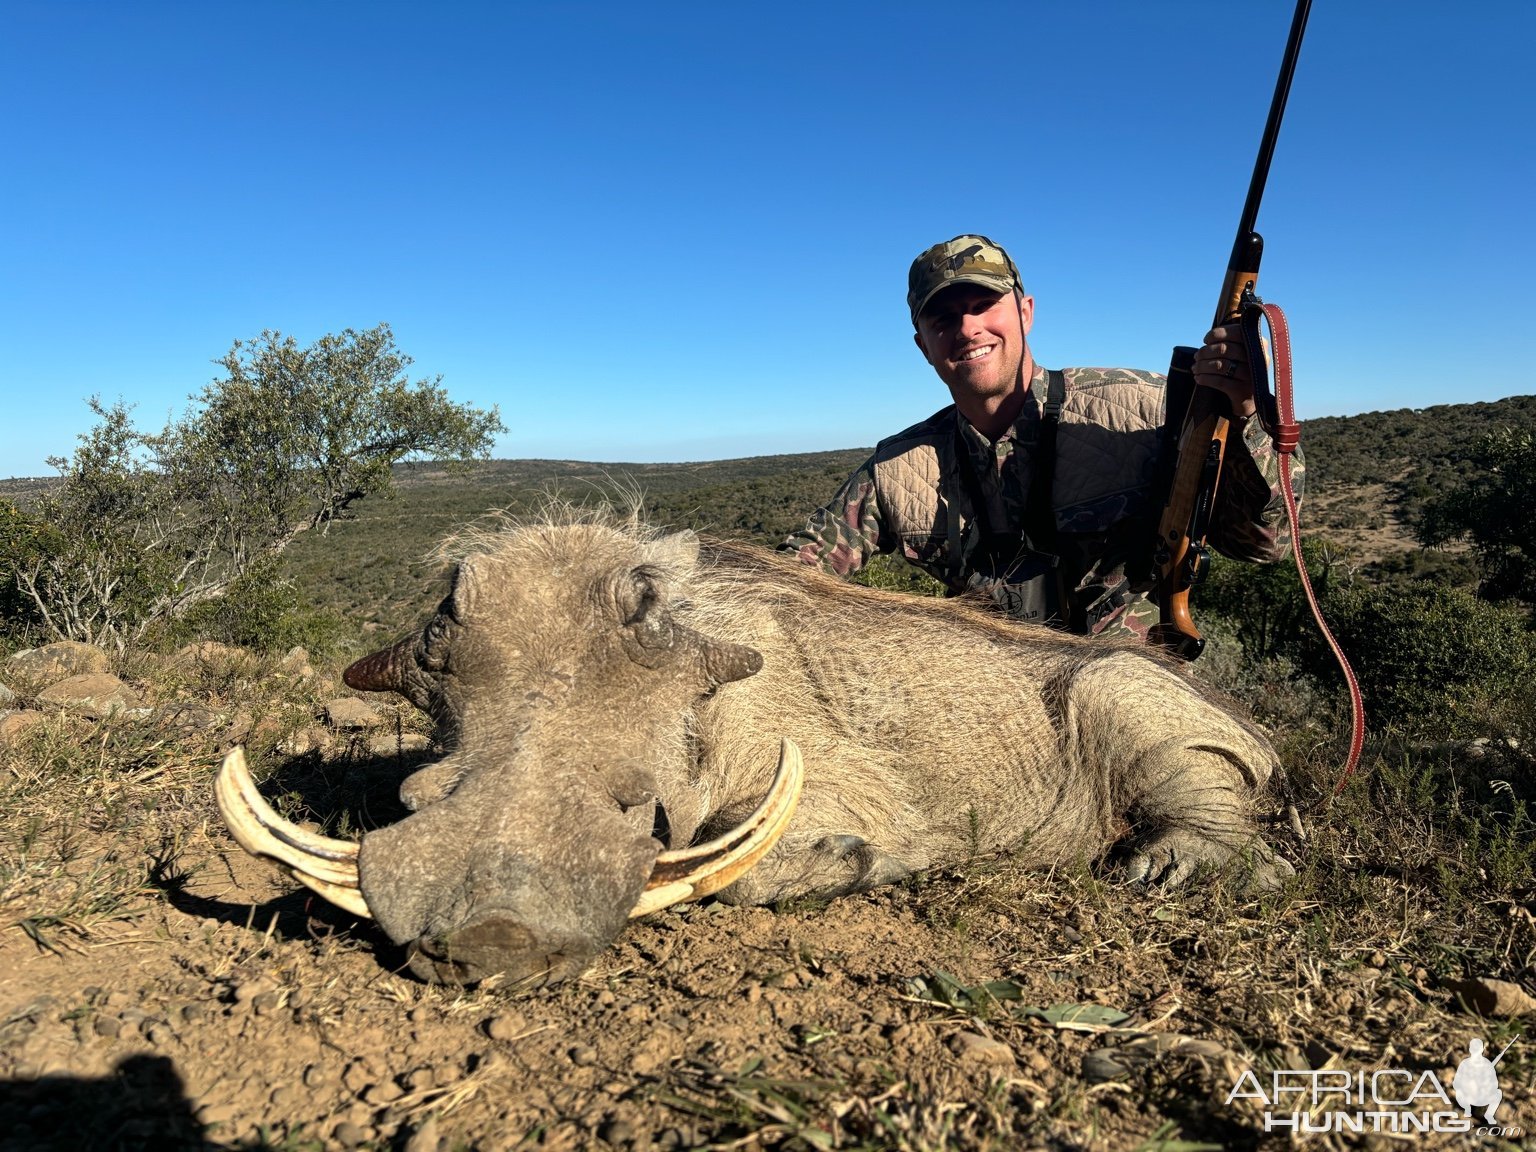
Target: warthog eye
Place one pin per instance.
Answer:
(435, 643)
(638, 596)
(646, 618)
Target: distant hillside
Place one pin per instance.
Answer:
(1367, 478)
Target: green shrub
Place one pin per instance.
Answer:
(262, 612)
(894, 574)
(22, 540)
(1264, 603)
(1431, 660)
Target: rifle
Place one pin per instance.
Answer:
(1191, 474)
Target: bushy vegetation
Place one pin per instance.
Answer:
(1495, 505)
(144, 528)
(1432, 660)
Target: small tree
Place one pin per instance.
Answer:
(145, 526)
(1496, 507)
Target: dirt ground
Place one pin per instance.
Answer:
(160, 990)
(234, 1011)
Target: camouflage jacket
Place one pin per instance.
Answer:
(913, 497)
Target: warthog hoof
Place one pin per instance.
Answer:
(1177, 855)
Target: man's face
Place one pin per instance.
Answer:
(975, 338)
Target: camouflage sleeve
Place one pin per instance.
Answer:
(1249, 521)
(841, 537)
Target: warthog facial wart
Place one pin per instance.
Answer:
(599, 684)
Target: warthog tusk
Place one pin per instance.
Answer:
(324, 866)
(690, 873)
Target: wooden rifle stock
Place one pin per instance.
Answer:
(1180, 552)
(1192, 475)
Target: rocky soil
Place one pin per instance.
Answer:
(159, 989)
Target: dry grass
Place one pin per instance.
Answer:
(812, 1027)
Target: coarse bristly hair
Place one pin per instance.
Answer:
(707, 598)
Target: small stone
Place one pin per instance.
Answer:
(615, 1088)
(318, 1075)
(15, 725)
(247, 991)
(296, 663)
(264, 1004)
(446, 1074)
(1378, 959)
(95, 696)
(416, 1015)
(617, 1132)
(193, 1013)
(356, 1078)
(108, 1026)
(974, 1048)
(209, 924)
(393, 745)
(605, 998)
(158, 1033)
(348, 713)
(583, 1056)
(419, 1079)
(505, 1026)
(1489, 997)
(348, 1134)
(285, 1097)
(54, 662)
(487, 1064)
(384, 1092)
(425, 1138)
(298, 998)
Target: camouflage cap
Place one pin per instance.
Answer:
(967, 259)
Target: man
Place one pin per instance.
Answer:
(1035, 487)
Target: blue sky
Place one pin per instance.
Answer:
(681, 231)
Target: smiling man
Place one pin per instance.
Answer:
(1035, 487)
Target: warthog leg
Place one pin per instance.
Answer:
(329, 867)
(1183, 769)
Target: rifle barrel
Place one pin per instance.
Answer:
(1276, 114)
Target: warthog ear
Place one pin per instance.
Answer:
(461, 597)
(680, 549)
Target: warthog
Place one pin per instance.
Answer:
(615, 701)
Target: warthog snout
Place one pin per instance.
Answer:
(475, 885)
